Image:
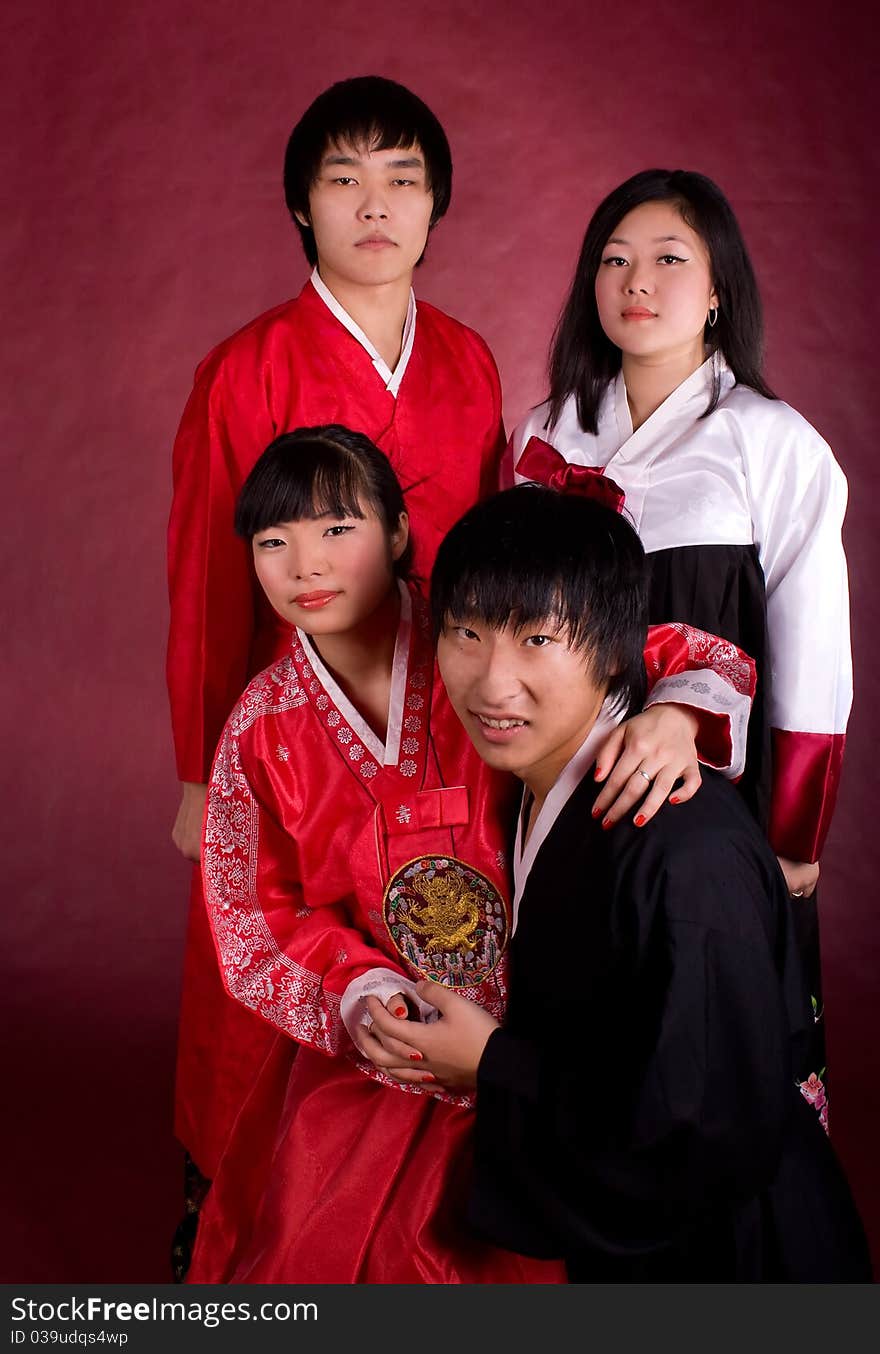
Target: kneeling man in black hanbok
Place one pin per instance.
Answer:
(638, 1112)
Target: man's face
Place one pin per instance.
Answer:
(526, 698)
(370, 212)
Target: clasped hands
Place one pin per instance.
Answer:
(445, 1051)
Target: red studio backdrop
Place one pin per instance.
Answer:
(143, 221)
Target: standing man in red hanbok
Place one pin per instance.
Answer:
(367, 175)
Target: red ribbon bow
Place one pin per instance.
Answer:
(539, 461)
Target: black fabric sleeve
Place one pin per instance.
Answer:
(637, 1127)
(513, 1066)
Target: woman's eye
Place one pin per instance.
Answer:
(270, 543)
(614, 261)
(671, 258)
(338, 530)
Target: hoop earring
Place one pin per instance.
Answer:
(712, 317)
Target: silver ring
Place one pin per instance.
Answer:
(798, 893)
(645, 774)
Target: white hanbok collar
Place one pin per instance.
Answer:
(391, 379)
(682, 407)
(386, 754)
(563, 788)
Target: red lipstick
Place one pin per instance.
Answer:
(313, 601)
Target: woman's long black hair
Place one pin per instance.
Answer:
(583, 360)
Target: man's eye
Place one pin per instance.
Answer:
(344, 179)
(539, 641)
(403, 183)
(463, 632)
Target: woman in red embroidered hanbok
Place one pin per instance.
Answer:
(353, 844)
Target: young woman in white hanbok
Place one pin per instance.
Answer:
(655, 378)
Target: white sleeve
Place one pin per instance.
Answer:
(381, 983)
(798, 498)
(708, 693)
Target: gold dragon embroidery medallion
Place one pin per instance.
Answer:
(446, 919)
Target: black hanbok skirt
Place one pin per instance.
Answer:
(720, 588)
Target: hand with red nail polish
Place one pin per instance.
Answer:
(396, 1004)
(452, 1045)
(644, 760)
(386, 1040)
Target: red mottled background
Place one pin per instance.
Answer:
(142, 222)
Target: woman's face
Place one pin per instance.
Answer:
(654, 287)
(328, 574)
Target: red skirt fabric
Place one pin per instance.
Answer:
(360, 1183)
(221, 1047)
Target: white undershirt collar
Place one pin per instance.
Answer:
(386, 754)
(680, 402)
(391, 379)
(561, 792)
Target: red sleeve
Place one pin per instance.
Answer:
(225, 426)
(494, 442)
(286, 961)
(506, 476)
(806, 777)
(714, 678)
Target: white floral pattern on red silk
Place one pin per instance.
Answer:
(715, 678)
(419, 662)
(247, 948)
(729, 661)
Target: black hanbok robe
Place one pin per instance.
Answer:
(639, 1112)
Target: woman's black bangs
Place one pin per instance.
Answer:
(338, 489)
(334, 488)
